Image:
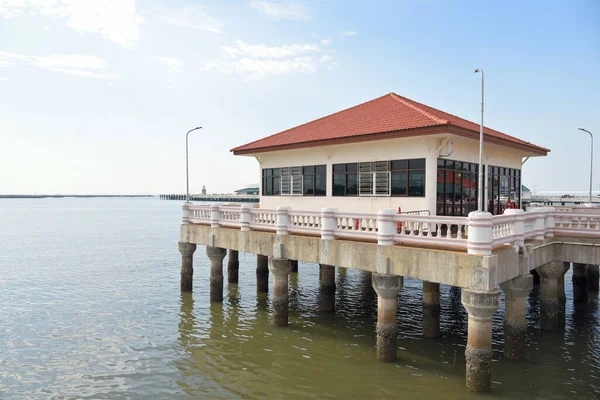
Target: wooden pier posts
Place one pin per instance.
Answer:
(233, 266)
(280, 268)
(431, 309)
(327, 287)
(187, 265)
(387, 287)
(262, 274)
(515, 329)
(481, 307)
(216, 256)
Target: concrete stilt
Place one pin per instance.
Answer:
(515, 330)
(562, 298)
(262, 273)
(550, 306)
(233, 266)
(387, 288)
(280, 268)
(294, 264)
(431, 309)
(327, 287)
(216, 256)
(187, 265)
(593, 275)
(536, 277)
(580, 283)
(481, 307)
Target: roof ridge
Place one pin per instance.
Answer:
(410, 103)
(310, 122)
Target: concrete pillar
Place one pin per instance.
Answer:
(262, 273)
(280, 268)
(481, 307)
(562, 298)
(294, 264)
(327, 287)
(593, 279)
(216, 256)
(387, 288)
(550, 306)
(187, 265)
(431, 309)
(536, 277)
(233, 266)
(515, 330)
(580, 283)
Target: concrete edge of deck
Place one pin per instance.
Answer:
(480, 273)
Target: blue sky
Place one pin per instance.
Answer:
(96, 95)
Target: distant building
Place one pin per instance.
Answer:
(525, 193)
(249, 190)
(389, 152)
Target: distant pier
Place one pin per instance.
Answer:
(228, 198)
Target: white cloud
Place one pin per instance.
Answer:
(84, 65)
(175, 64)
(116, 21)
(349, 33)
(326, 42)
(193, 18)
(280, 9)
(257, 61)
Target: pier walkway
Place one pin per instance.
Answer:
(476, 253)
(225, 198)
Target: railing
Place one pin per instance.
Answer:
(479, 233)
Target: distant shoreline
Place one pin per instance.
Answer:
(60, 196)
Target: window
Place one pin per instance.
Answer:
(408, 177)
(295, 181)
(456, 187)
(504, 189)
(380, 178)
(345, 179)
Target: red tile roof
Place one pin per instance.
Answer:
(385, 117)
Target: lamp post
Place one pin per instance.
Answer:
(591, 160)
(187, 176)
(481, 206)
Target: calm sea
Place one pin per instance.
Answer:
(90, 307)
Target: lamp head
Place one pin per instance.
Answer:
(477, 70)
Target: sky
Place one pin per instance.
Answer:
(96, 95)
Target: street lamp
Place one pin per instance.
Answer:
(481, 206)
(187, 176)
(591, 159)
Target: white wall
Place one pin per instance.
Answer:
(390, 149)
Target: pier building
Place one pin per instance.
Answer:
(390, 152)
(308, 213)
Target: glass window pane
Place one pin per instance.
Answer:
(449, 164)
(276, 186)
(338, 184)
(399, 183)
(320, 185)
(269, 172)
(339, 168)
(399, 165)
(441, 163)
(474, 167)
(416, 183)
(276, 171)
(440, 186)
(269, 187)
(352, 167)
(352, 186)
(320, 169)
(309, 185)
(417, 164)
(309, 170)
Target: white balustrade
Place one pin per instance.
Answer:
(478, 234)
